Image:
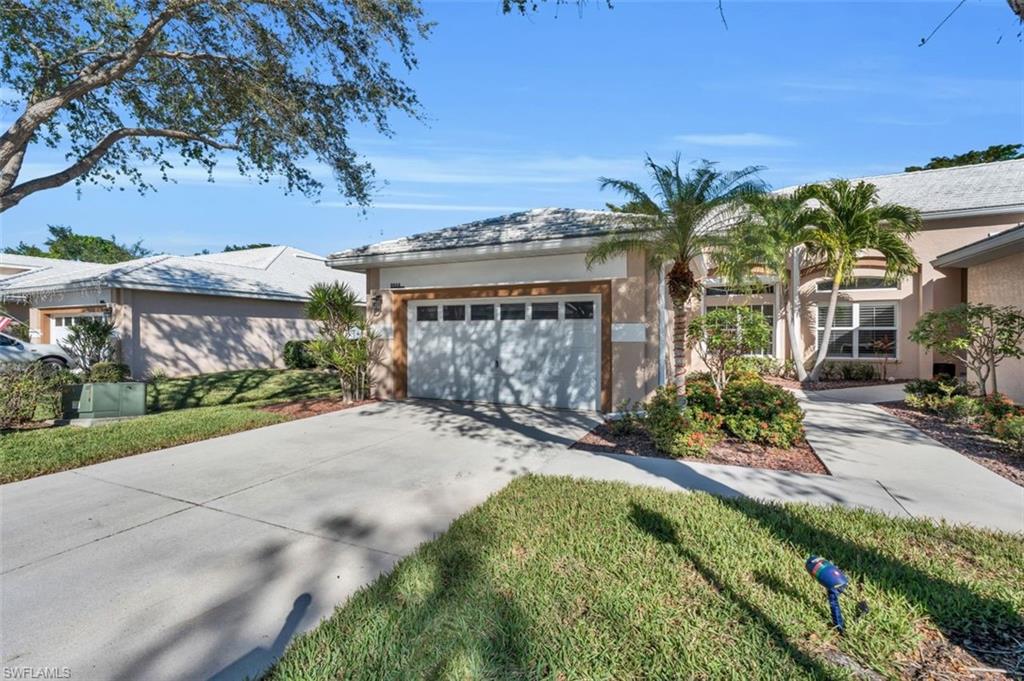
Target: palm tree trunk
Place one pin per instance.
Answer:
(679, 349)
(833, 298)
(796, 344)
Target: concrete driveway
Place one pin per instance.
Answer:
(203, 561)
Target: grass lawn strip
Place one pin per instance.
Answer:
(557, 578)
(237, 387)
(29, 453)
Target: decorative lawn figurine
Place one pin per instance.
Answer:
(834, 581)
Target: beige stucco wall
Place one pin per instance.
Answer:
(928, 289)
(182, 334)
(1001, 282)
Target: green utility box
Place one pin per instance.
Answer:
(103, 400)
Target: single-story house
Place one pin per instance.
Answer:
(176, 315)
(506, 310)
(993, 271)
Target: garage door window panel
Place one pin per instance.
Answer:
(481, 313)
(513, 311)
(426, 313)
(454, 313)
(544, 311)
(580, 309)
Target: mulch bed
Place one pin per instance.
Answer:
(730, 451)
(976, 445)
(312, 407)
(794, 384)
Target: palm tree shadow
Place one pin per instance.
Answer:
(664, 530)
(252, 664)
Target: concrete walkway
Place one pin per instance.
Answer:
(877, 462)
(858, 440)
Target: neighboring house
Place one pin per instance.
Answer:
(505, 309)
(175, 315)
(993, 269)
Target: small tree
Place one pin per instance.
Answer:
(724, 333)
(980, 336)
(346, 343)
(91, 340)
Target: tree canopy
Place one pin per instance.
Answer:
(66, 245)
(996, 152)
(244, 247)
(278, 85)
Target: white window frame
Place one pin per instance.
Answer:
(893, 287)
(856, 328)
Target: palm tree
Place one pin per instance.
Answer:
(334, 305)
(674, 225)
(849, 221)
(769, 240)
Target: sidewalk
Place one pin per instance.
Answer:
(877, 462)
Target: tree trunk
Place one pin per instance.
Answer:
(796, 345)
(679, 349)
(992, 373)
(833, 299)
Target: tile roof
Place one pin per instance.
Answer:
(978, 187)
(538, 224)
(279, 272)
(983, 186)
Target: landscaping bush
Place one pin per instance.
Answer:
(29, 392)
(298, 356)
(942, 387)
(859, 371)
(959, 408)
(1011, 431)
(700, 392)
(630, 418)
(997, 406)
(108, 372)
(757, 411)
(664, 418)
(756, 364)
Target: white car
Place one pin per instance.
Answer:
(13, 350)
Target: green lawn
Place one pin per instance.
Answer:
(30, 453)
(553, 578)
(236, 387)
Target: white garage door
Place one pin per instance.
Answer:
(60, 325)
(542, 351)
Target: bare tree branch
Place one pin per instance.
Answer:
(14, 195)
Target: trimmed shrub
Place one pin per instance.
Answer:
(859, 371)
(997, 406)
(755, 364)
(30, 391)
(1011, 431)
(664, 418)
(756, 411)
(943, 387)
(108, 372)
(700, 393)
(630, 418)
(298, 356)
(743, 426)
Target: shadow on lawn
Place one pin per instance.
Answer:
(992, 625)
(230, 387)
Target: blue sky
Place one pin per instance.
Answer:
(524, 112)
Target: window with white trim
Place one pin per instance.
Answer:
(860, 330)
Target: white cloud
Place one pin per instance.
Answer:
(457, 207)
(476, 169)
(736, 139)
